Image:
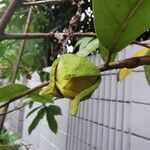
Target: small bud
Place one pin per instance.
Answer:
(73, 77)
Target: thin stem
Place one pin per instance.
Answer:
(142, 44)
(22, 47)
(8, 14)
(8, 112)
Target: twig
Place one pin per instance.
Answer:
(142, 44)
(51, 35)
(8, 112)
(127, 63)
(28, 92)
(22, 47)
(44, 2)
(8, 14)
(73, 24)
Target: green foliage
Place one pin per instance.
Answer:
(41, 98)
(147, 71)
(36, 120)
(87, 46)
(119, 23)
(52, 123)
(33, 110)
(51, 111)
(12, 90)
(8, 141)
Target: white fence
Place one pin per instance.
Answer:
(116, 117)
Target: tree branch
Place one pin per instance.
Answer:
(20, 36)
(127, 63)
(22, 47)
(8, 112)
(24, 94)
(142, 44)
(8, 14)
(44, 2)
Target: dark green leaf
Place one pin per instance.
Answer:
(12, 90)
(32, 111)
(54, 110)
(52, 123)
(31, 104)
(36, 120)
(119, 22)
(147, 73)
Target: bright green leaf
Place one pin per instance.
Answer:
(41, 98)
(88, 48)
(119, 22)
(83, 42)
(12, 90)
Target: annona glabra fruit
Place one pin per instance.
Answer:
(73, 77)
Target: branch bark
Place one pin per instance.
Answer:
(44, 2)
(8, 14)
(20, 36)
(127, 63)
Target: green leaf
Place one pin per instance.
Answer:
(55, 110)
(147, 73)
(83, 42)
(41, 98)
(2, 49)
(119, 22)
(36, 120)
(12, 90)
(52, 123)
(88, 48)
(32, 111)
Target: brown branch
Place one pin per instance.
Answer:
(28, 92)
(44, 2)
(73, 24)
(127, 63)
(8, 14)
(20, 36)
(22, 47)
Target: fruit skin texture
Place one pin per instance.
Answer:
(73, 77)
